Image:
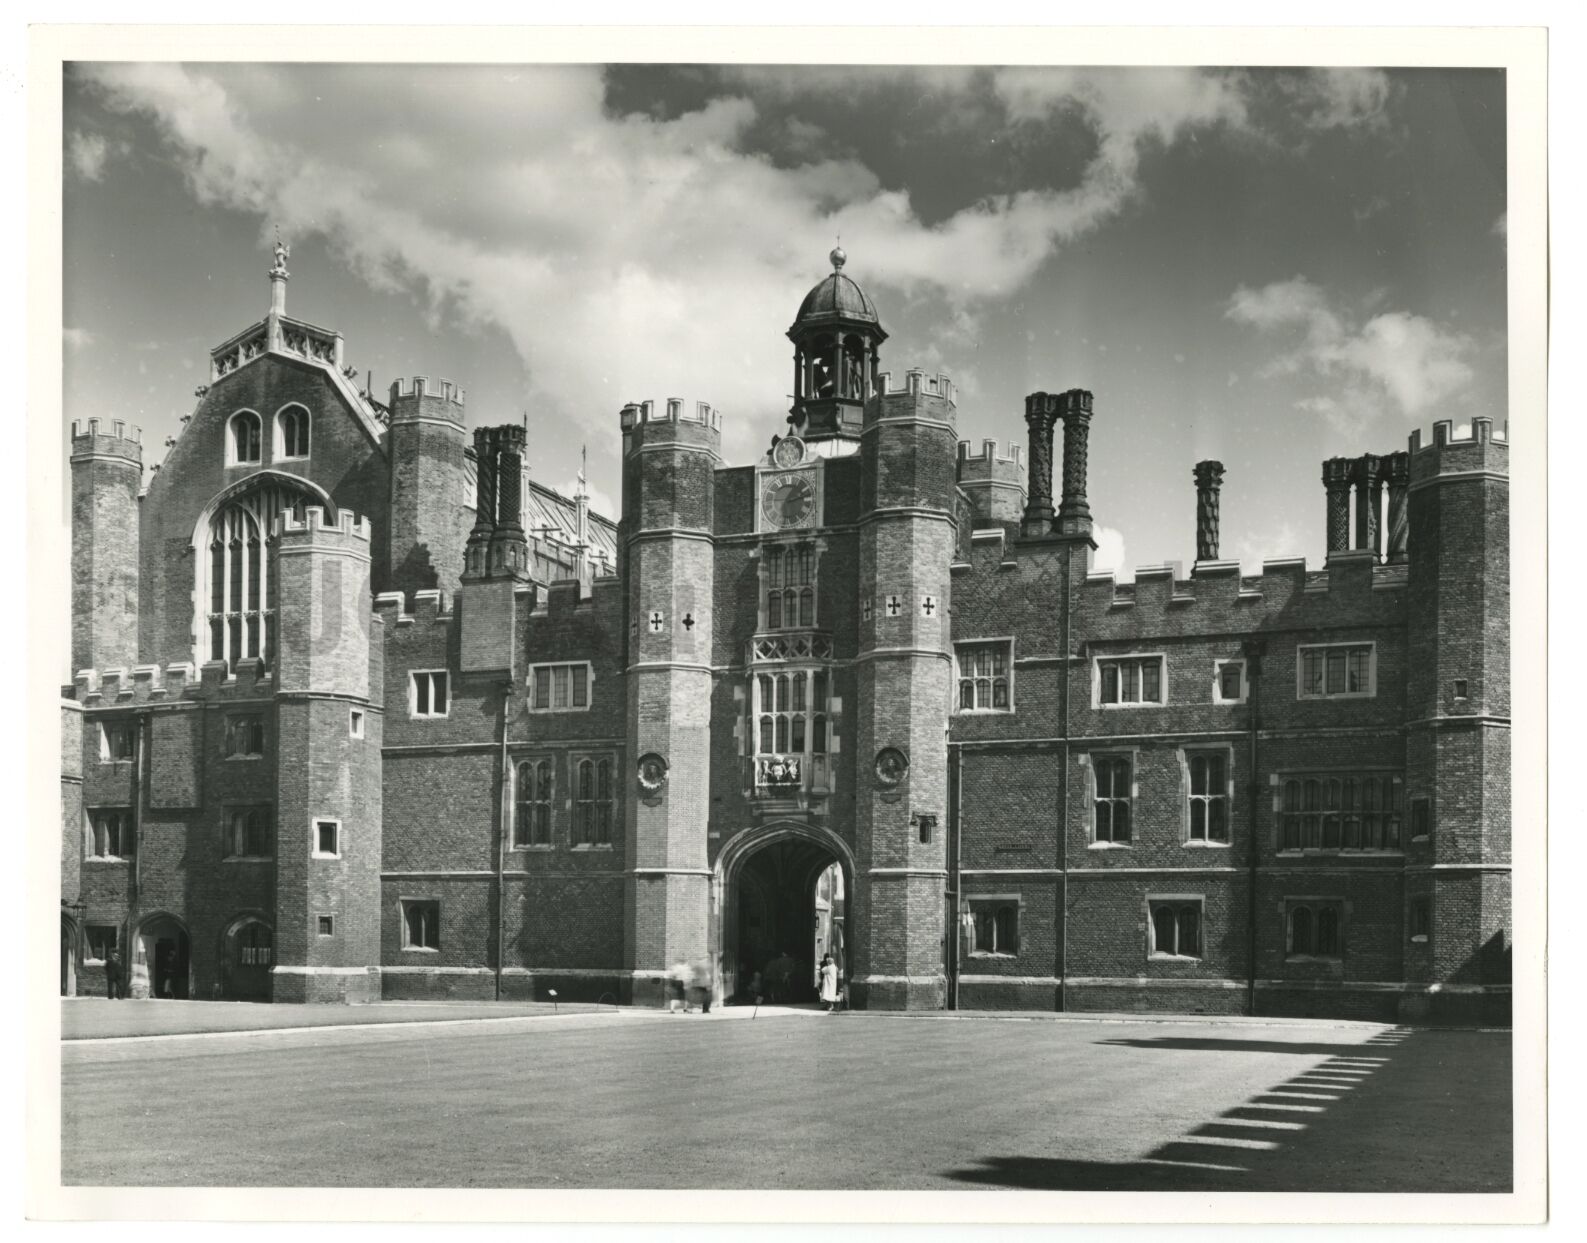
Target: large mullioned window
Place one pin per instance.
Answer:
(792, 730)
(1337, 671)
(984, 676)
(1128, 680)
(239, 620)
(1346, 812)
(789, 573)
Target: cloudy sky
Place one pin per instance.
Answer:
(1265, 267)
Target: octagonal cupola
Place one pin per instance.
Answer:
(836, 337)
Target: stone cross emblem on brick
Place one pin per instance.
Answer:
(866, 611)
(656, 620)
(895, 606)
(688, 622)
(928, 606)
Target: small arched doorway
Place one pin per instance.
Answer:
(165, 957)
(781, 904)
(248, 952)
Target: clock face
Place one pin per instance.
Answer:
(788, 500)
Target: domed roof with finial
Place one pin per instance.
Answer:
(836, 297)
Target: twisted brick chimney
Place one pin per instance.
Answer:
(1209, 481)
(1074, 513)
(1041, 415)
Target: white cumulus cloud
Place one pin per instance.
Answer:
(1375, 364)
(606, 246)
(1110, 552)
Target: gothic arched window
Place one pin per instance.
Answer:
(237, 580)
(532, 824)
(292, 432)
(244, 439)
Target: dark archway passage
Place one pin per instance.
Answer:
(249, 954)
(785, 909)
(165, 953)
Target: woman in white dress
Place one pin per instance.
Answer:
(829, 983)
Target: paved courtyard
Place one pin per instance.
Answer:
(640, 1099)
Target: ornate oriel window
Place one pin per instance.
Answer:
(792, 730)
(789, 574)
(237, 587)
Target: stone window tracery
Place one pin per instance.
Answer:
(792, 730)
(1346, 812)
(536, 786)
(593, 802)
(237, 579)
(789, 574)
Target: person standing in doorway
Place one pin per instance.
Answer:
(829, 983)
(113, 986)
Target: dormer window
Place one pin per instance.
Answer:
(292, 433)
(244, 439)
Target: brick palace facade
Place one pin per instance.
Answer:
(360, 711)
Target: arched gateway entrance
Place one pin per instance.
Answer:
(163, 957)
(781, 890)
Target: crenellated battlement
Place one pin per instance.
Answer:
(993, 483)
(1161, 596)
(989, 459)
(420, 386)
(1485, 449)
(429, 607)
(917, 381)
(152, 684)
(97, 439)
(314, 525)
(1480, 431)
(673, 410)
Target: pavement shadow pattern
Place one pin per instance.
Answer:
(1305, 1133)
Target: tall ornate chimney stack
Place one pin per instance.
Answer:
(1209, 480)
(1041, 415)
(1074, 514)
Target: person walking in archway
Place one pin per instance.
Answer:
(113, 986)
(829, 983)
(779, 975)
